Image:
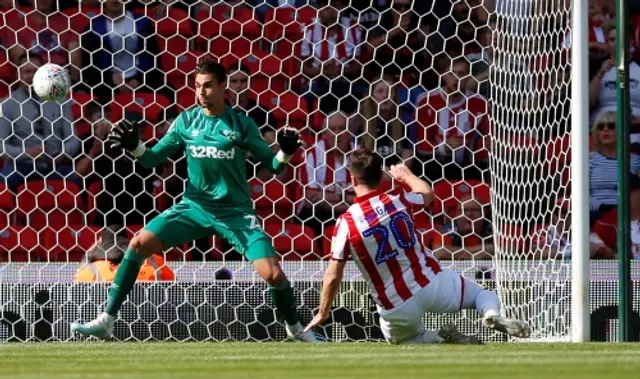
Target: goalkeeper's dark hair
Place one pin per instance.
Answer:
(366, 167)
(212, 68)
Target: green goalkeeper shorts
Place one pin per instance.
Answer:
(188, 221)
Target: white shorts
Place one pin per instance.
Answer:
(444, 294)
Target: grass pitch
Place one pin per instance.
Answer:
(330, 360)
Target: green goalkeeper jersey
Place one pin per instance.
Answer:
(216, 148)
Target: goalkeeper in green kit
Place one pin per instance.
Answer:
(217, 200)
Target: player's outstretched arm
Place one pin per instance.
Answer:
(125, 135)
(330, 288)
(403, 174)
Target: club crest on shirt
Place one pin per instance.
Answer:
(229, 134)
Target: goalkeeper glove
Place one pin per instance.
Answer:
(288, 140)
(124, 135)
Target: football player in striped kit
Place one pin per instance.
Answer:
(405, 280)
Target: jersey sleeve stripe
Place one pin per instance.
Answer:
(392, 263)
(363, 255)
(340, 241)
(414, 260)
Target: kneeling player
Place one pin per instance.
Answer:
(405, 280)
(217, 200)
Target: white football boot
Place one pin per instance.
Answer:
(510, 326)
(101, 328)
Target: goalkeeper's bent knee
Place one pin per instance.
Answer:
(145, 244)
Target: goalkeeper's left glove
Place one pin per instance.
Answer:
(124, 135)
(288, 140)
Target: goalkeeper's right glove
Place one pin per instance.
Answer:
(288, 140)
(124, 135)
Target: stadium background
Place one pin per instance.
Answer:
(375, 84)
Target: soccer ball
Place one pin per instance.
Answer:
(51, 82)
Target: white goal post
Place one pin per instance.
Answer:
(580, 301)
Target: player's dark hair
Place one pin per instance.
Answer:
(366, 167)
(212, 68)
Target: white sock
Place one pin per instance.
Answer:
(485, 301)
(106, 318)
(488, 304)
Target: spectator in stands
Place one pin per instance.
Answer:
(384, 131)
(330, 52)
(37, 137)
(101, 261)
(603, 239)
(122, 46)
(117, 172)
(238, 96)
(460, 29)
(327, 191)
(602, 87)
(46, 32)
(603, 166)
(553, 240)
(453, 128)
(598, 19)
(470, 236)
(481, 60)
(400, 41)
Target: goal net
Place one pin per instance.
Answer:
(472, 96)
(530, 161)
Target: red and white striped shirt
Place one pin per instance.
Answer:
(342, 45)
(378, 231)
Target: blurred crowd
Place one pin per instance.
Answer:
(409, 79)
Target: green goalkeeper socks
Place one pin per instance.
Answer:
(285, 301)
(125, 279)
